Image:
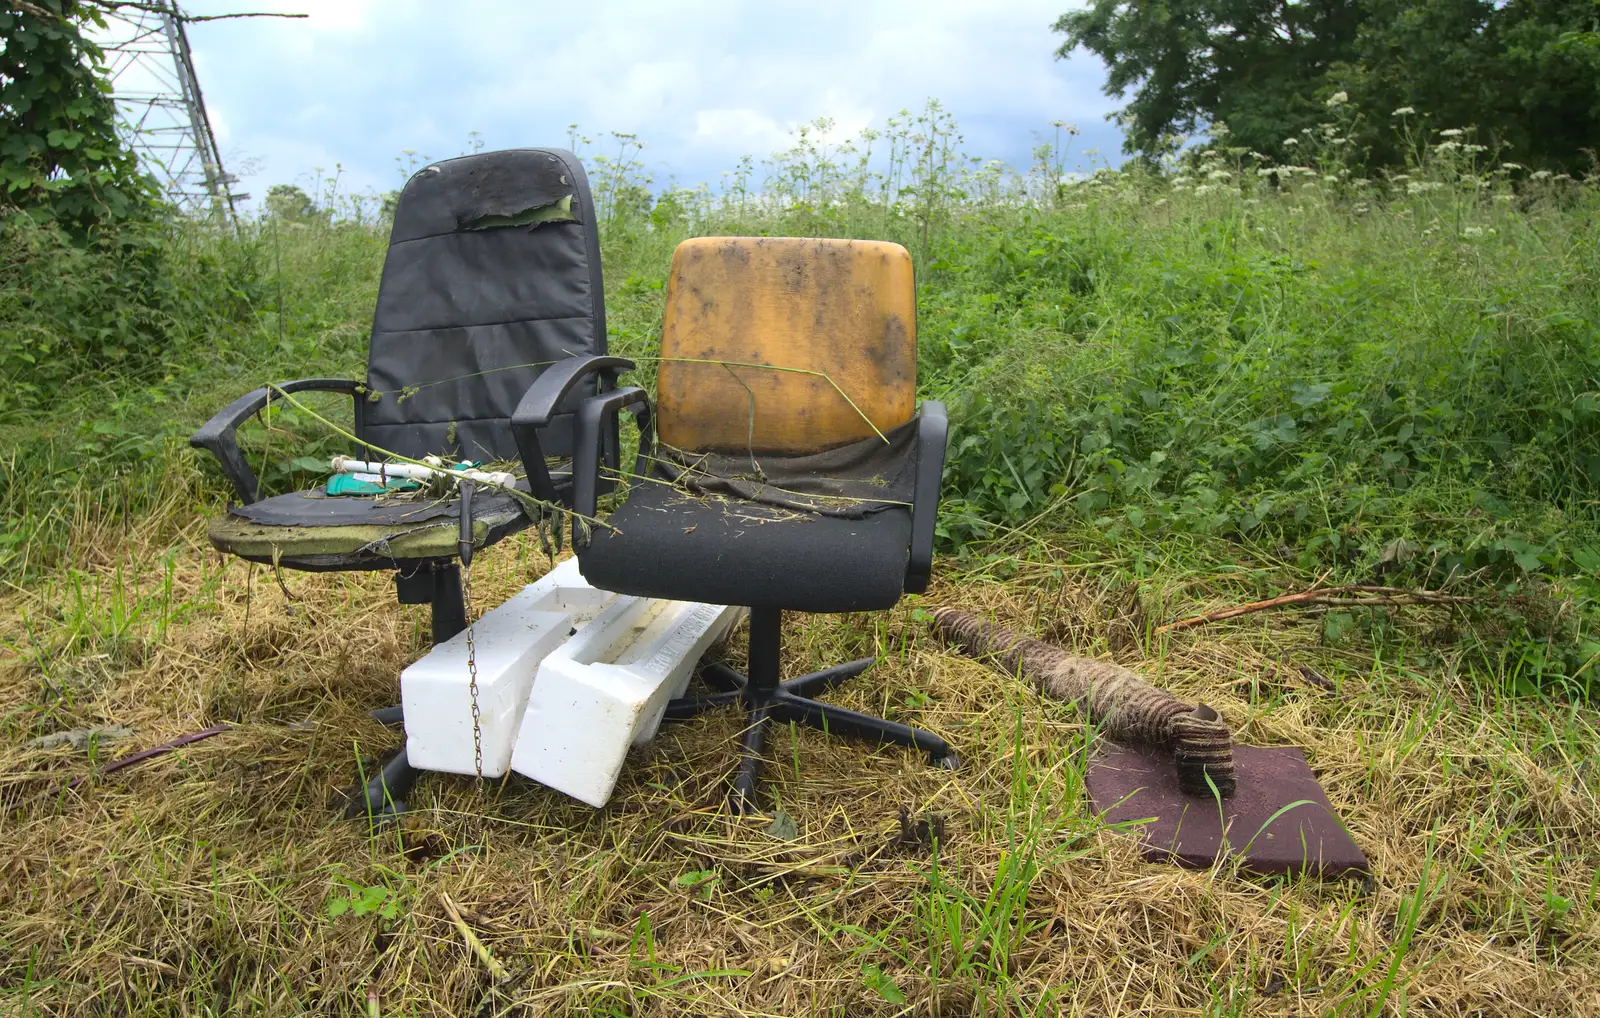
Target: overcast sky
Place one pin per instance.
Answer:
(702, 82)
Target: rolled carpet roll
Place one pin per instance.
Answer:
(1123, 704)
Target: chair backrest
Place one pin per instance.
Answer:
(492, 273)
(785, 345)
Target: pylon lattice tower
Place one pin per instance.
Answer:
(161, 110)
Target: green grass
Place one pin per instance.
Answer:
(1171, 393)
(1388, 379)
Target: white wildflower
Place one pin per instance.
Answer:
(1508, 167)
(1252, 201)
(1541, 174)
(1447, 146)
(1160, 202)
(1451, 132)
(1338, 99)
(1400, 177)
(1291, 142)
(1258, 157)
(1422, 186)
(1204, 189)
(1472, 231)
(1430, 231)
(1474, 148)
(1503, 197)
(1330, 179)
(1404, 111)
(1218, 175)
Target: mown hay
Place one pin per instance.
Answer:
(201, 882)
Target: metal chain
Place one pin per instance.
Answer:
(472, 673)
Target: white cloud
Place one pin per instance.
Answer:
(738, 130)
(701, 82)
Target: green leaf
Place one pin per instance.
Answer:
(1587, 559)
(783, 826)
(1336, 624)
(694, 878)
(882, 984)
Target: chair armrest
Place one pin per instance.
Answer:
(595, 415)
(539, 404)
(220, 435)
(933, 431)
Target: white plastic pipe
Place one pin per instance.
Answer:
(350, 465)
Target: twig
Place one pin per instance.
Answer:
(153, 752)
(171, 9)
(1325, 596)
(774, 367)
(241, 14)
(478, 947)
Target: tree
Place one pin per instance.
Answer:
(1522, 71)
(60, 155)
(290, 203)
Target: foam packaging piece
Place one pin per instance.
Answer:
(511, 641)
(607, 688)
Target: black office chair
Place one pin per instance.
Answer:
(793, 473)
(492, 278)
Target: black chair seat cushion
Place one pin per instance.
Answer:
(668, 543)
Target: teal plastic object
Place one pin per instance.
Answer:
(353, 484)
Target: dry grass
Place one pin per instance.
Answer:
(200, 883)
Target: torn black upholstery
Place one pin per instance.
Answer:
(468, 315)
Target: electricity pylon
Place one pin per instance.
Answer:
(161, 111)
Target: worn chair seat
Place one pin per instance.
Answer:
(666, 542)
(310, 530)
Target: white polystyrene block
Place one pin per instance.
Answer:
(510, 642)
(607, 688)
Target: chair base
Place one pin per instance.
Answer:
(437, 583)
(383, 797)
(769, 699)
